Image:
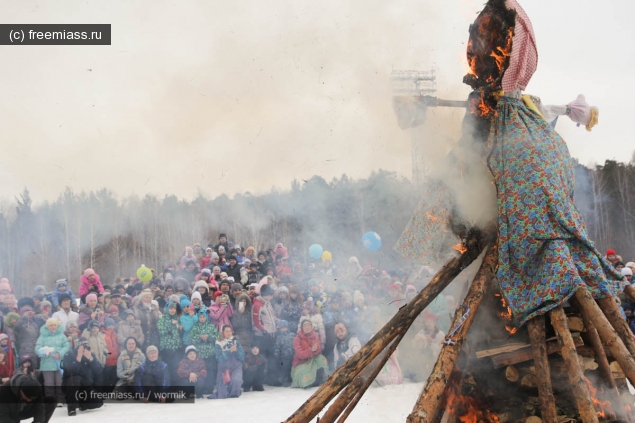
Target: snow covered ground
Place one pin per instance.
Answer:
(380, 404)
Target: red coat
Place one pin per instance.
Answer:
(113, 347)
(302, 345)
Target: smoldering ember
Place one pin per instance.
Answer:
(495, 285)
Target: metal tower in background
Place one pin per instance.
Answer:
(409, 86)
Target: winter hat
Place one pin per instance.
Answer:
(89, 272)
(266, 290)
(93, 323)
(224, 282)
(82, 341)
(63, 297)
(610, 251)
(52, 321)
(169, 277)
(191, 348)
(236, 287)
(25, 301)
(39, 297)
(217, 293)
(154, 303)
(145, 293)
(45, 303)
(196, 295)
(109, 322)
(3, 336)
(626, 271)
(70, 325)
(91, 297)
(283, 289)
(127, 313)
(185, 303)
(4, 285)
(39, 288)
(151, 348)
(223, 275)
(246, 262)
(113, 309)
(222, 235)
(631, 264)
(206, 272)
(353, 260)
(214, 255)
(31, 388)
(283, 324)
(252, 285)
(307, 304)
(175, 299)
(9, 316)
(221, 250)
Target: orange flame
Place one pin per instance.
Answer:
(506, 315)
(467, 409)
(460, 248)
(603, 408)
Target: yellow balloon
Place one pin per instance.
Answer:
(327, 256)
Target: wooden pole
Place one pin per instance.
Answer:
(607, 333)
(370, 378)
(400, 323)
(575, 370)
(537, 336)
(612, 312)
(598, 348)
(343, 399)
(430, 403)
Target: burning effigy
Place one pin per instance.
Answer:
(537, 261)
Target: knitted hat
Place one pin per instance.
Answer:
(91, 297)
(89, 272)
(283, 290)
(113, 309)
(154, 303)
(52, 321)
(185, 303)
(206, 272)
(109, 322)
(169, 277)
(191, 348)
(4, 285)
(63, 297)
(151, 348)
(127, 313)
(236, 287)
(93, 323)
(630, 264)
(216, 294)
(610, 251)
(626, 271)
(222, 235)
(196, 295)
(283, 324)
(214, 255)
(3, 336)
(70, 325)
(45, 303)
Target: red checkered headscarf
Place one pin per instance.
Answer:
(524, 57)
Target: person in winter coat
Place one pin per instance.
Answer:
(187, 257)
(241, 320)
(65, 313)
(222, 242)
(311, 312)
(187, 320)
(309, 365)
(221, 311)
(112, 346)
(97, 341)
(8, 302)
(253, 275)
(201, 286)
(280, 252)
(8, 360)
(90, 282)
(22, 399)
(233, 270)
(10, 320)
(72, 334)
(148, 317)
(203, 336)
(190, 271)
(61, 288)
(90, 311)
(347, 345)
(206, 259)
(254, 370)
(27, 332)
(192, 371)
(283, 354)
(51, 347)
(196, 301)
(264, 326)
(129, 327)
(153, 378)
(230, 357)
(169, 329)
(128, 364)
(81, 369)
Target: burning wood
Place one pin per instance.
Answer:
(604, 410)
(460, 248)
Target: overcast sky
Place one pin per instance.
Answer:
(242, 96)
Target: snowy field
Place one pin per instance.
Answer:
(379, 404)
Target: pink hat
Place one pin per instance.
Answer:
(113, 309)
(89, 272)
(91, 297)
(5, 285)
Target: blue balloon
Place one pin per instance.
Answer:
(315, 251)
(371, 241)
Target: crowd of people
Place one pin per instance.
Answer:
(219, 320)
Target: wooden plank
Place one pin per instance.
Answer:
(526, 354)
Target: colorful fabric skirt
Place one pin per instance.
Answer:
(545, 253)
(304, 374)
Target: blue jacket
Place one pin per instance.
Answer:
(159, 372)
(187, 322)
(56, 294)
(56, 340)
(223, 354)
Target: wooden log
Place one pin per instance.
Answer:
(429, 405)
(537, 336)
(343, 399)
(399, 324)
(608, 335)
(611, 310)
(511, 374)
(596, 343)
(368, 378)
(575, 371)
(526, 354)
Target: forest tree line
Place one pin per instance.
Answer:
(53, 240)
